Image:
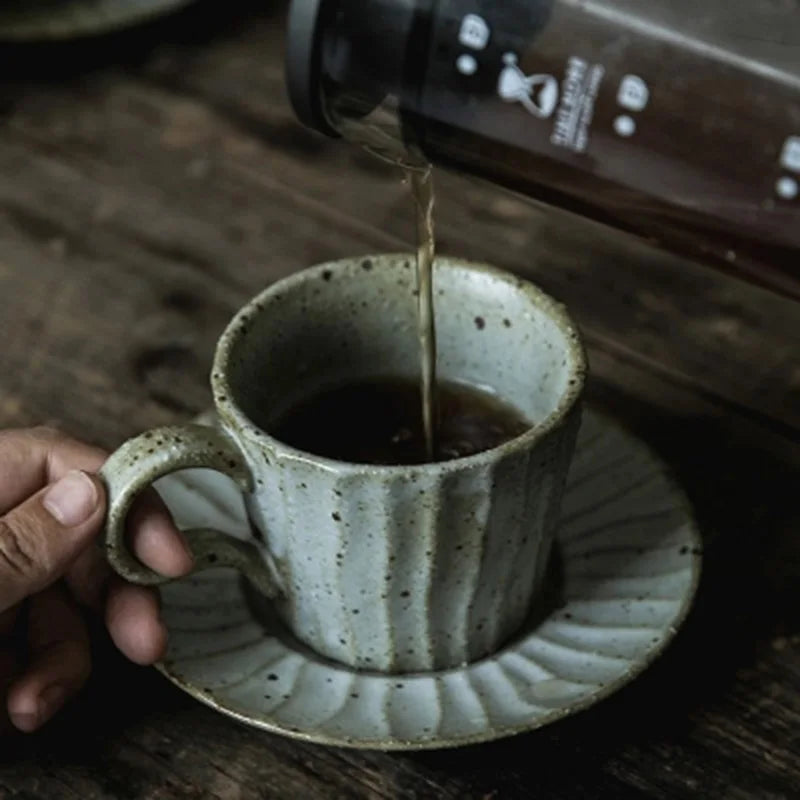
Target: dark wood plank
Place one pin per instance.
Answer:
(155, 183)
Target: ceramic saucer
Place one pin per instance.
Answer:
(629, 563)
(25, 20)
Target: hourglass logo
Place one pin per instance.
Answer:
(537, 93)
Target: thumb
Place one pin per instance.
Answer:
(41, 537)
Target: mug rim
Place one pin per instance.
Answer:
(232, 415)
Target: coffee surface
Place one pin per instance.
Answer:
(380, 422)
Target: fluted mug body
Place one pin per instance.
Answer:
(398, 568)
(404, 568)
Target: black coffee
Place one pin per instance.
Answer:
(380, 422)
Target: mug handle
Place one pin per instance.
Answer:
(141, 461)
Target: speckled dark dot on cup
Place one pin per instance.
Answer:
(385, 568)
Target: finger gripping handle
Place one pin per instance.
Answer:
(152, 455)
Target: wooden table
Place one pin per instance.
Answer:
(152, 182)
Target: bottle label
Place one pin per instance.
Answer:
(571, 104)
(573, 119)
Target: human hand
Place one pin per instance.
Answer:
(52, 507)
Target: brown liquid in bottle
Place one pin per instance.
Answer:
(674, 120)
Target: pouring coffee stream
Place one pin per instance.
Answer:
(421, 183)
(376, 139)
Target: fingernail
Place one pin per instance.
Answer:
(50, 701)
(72, 500)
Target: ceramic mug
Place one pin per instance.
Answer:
(388, 568)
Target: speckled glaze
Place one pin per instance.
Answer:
(393, 569)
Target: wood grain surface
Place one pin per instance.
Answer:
(150, 183)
